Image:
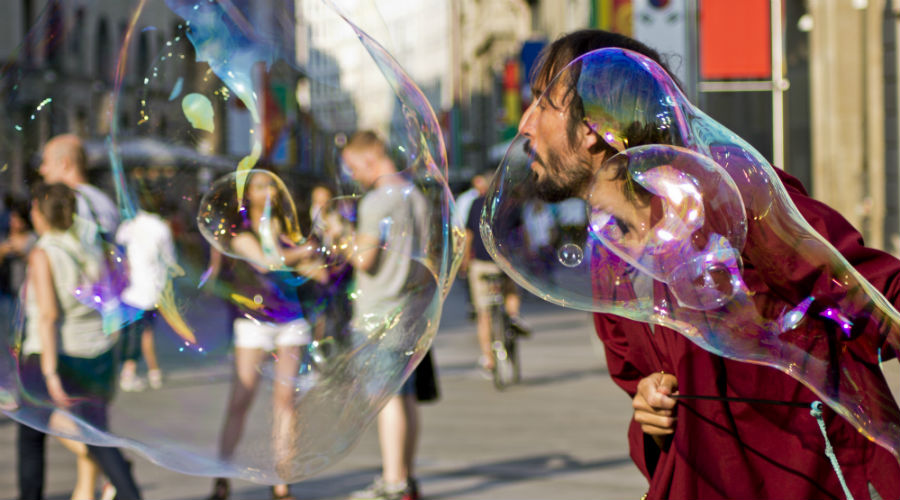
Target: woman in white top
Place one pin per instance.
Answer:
(67, 358)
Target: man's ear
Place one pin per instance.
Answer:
(590, 140)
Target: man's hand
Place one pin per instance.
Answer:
(653, 408)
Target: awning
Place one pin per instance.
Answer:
(148, 152)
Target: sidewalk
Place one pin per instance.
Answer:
(558, 435)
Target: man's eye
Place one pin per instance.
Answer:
(547, 103)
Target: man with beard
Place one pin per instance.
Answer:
(699, 448)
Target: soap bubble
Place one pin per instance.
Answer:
(689, 227)
(571, 255)
(225, 118)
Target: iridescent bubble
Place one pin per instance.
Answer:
(694, 242)
(224, 217)
(570, 255)
(223, 117)
(689, 227)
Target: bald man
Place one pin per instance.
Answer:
(64, 160)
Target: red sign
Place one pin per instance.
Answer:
(735, 40)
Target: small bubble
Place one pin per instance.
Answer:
(570, 255)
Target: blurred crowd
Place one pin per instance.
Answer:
(131, 249)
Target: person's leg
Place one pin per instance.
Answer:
(243, 390)
(287, 365)
(148, 345)
(411, 410)
(480, 290)
(87, 470)
(131, 352)
(118, 470)
(512, 302)
(97, 390)
(148, 350)
(249, 340)
(393, 431)
(483, 330)
(30, 445)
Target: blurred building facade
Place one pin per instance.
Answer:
(59, 62)
(342, 86)
(814, 87)
(488, 44)
(812, 84)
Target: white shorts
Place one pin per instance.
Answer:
(267, 337)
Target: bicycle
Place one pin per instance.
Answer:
(504, 347)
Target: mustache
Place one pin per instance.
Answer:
(532, 153)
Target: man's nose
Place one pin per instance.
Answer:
(528, 120)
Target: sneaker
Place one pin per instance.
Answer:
(519, 326)
(412, 489)
(379, 490)
(154, 378)
(132, 383)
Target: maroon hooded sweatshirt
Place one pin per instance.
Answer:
(735, 450)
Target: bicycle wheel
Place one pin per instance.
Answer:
(512, 352)
(504, 370)
(504, 367)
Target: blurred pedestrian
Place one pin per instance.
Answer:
(571, 214)
(64, 160)
(540, 235)
(480, 184)
(150, 253)
(481, 267)
(13, 256)
(277, 325)
(67, 358)
(384, 278)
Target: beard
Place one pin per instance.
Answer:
(560, 181)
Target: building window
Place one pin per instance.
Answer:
(76, 44)
(143, 56)
(102, 65)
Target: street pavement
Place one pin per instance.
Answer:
(560, 434)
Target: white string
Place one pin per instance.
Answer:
(816, 411)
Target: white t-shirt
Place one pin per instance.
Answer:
(571, 212)
(150, 254)
(539, 223)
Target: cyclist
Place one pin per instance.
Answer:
(477, 261)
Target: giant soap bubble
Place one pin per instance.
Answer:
(228, 118)
(685, 225)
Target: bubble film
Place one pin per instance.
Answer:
(215, 127)
(685, 225)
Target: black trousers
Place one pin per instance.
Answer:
(31, 447)
(92, 380)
